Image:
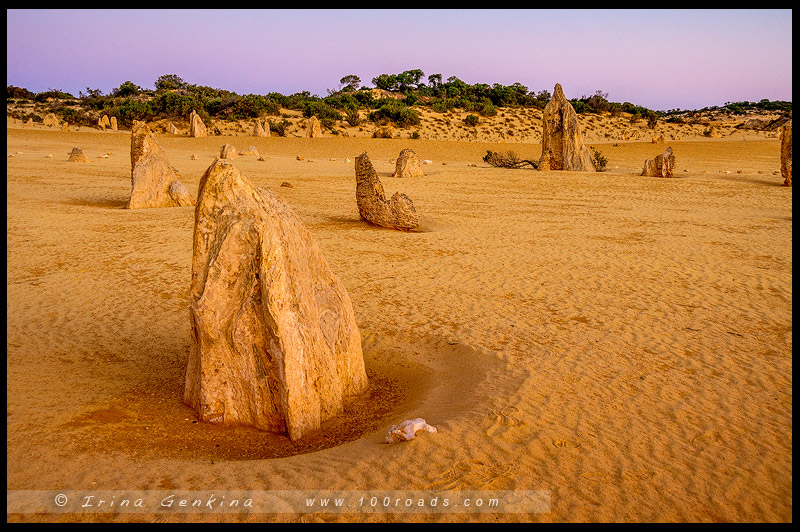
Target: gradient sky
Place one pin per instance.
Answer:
(660, 59)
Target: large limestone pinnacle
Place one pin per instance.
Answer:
(275, 344)
(786, 153)
(562, 147)
(154, 182)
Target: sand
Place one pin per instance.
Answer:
(621, 341)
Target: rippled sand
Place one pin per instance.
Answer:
(622, 341)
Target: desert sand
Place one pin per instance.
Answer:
(621, 341)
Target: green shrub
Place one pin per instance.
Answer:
(131, 110)
(485, 107)
(127, 88)
(76, 117)
(352, 116)
(414, 135)
(279, 127)
(365, 99)
(214, 106)
(652, 119)
(18, 92)
(579, 106)
(53, 93)
(172, 104)
(327, 123)
(471, 120)
(442, 105)
(397, 112)
(169, 82)
(323, 111)
(600, 161)
(341, 101)
(249, 106)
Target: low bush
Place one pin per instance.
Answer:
(323, 111)
(279, 127)
(352, 116)
(131, 110)
(76, 117)
(471, 120)
(397, 112)
(600, 161)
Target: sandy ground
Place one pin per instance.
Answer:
(621, 341)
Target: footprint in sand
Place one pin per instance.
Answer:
(504, 419)
(566, 444)
(469, 474)
(706, 438)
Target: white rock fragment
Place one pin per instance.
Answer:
(407, 430)
(427, 161)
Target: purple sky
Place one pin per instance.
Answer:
(660, 59)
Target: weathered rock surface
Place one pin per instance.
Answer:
(260, 130)
(113, 123)
(786, 153)
(408, 165)
(313, 129)
(154, 182)
(77, 156)
(172, 129)
(252, 150)
(562, 147)
(227, 151)
(408, 429)
(196, 126)
(51, 120)
(661, 166)
(397, 213)
(385, 132)
(275, 344)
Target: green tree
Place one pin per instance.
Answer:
(127, 88)
(170, 82)
(387, 82)
(350, 83)
(18, 93)
(598, 101)
(409, 78)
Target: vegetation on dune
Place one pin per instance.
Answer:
(599, 159)
(389, 101)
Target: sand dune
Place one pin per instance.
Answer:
(622, 341)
